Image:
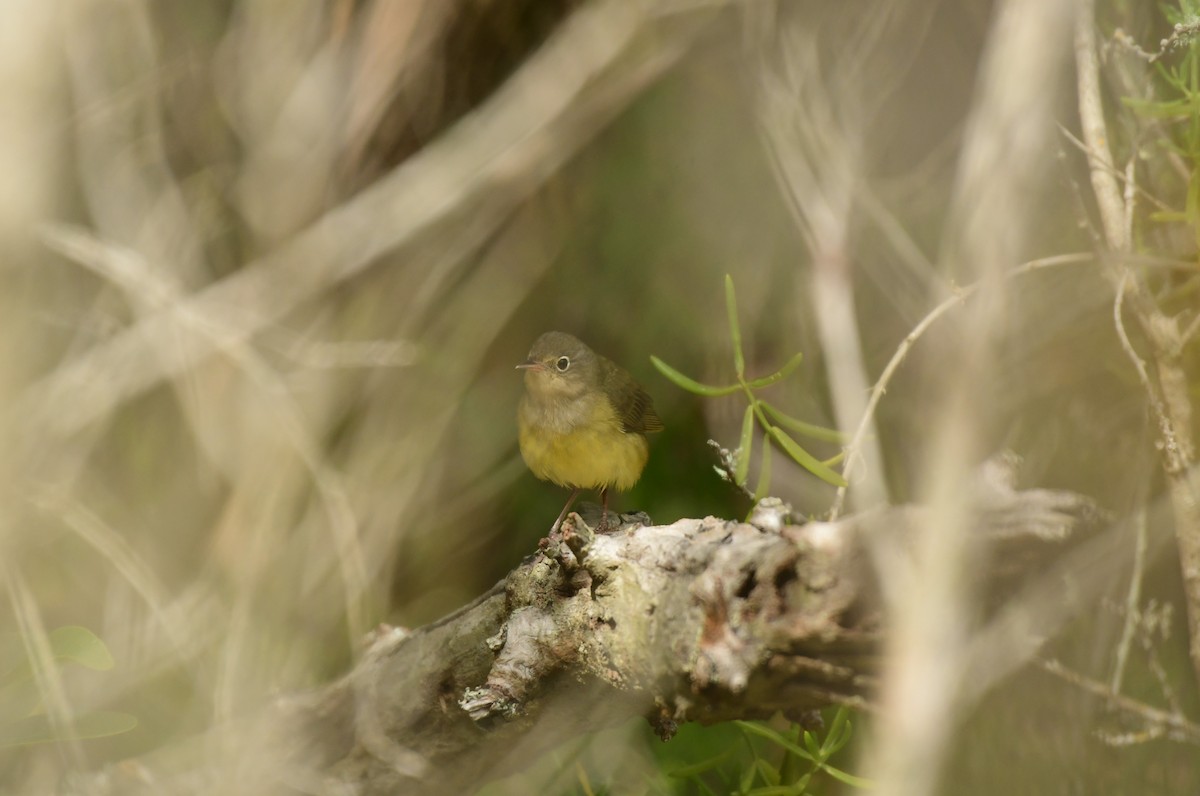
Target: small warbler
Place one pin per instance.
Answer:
(583, 420)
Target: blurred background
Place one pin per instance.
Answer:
(268, 267)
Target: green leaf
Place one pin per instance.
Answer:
(764, 473)
(789, 770)
(835, 460)
(742, 467)
(858, 782)
(747, 779)
(701, 767)
(735, 331)
(1171, 76)
(779, 375)
(767, 771)
(78, 644)
(804, 458)
(689, 384)
(810, 743)
(1179, 109)
(70, 643)
(775, 738)
(1168, 216)
(847, 732)
(37, 729)
(19, 694)
(775, 790)
(841, 720)
(800, 427)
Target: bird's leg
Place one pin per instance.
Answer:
(562, 514)
(604, 513)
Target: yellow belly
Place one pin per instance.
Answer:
(595, 456)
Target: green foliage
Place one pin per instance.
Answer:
(22, 719)
(1171, 118)
(788, 763)
(774, 422)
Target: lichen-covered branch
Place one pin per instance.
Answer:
(703, 620)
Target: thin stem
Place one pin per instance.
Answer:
(902, 350)
(1182, 728)
(1132, 600)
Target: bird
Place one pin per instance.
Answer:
(583, 420)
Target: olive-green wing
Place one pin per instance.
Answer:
(633, 404)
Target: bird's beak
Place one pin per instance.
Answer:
(531, 365)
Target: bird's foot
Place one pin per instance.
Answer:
(569, 530)
(613, 522)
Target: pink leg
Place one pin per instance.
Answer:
(562, 514)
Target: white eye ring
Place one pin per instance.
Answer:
(562, 364)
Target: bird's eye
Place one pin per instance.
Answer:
(562, 364)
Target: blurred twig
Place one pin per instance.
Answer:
(131, 274)
(885, 378)
(1177, 726)
(52, 689)
(929, 660)
(1168, 392)
(1132, 599)
(602, 57)
(813, 133)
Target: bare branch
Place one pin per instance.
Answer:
(1095, 130)
(1178, 727)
